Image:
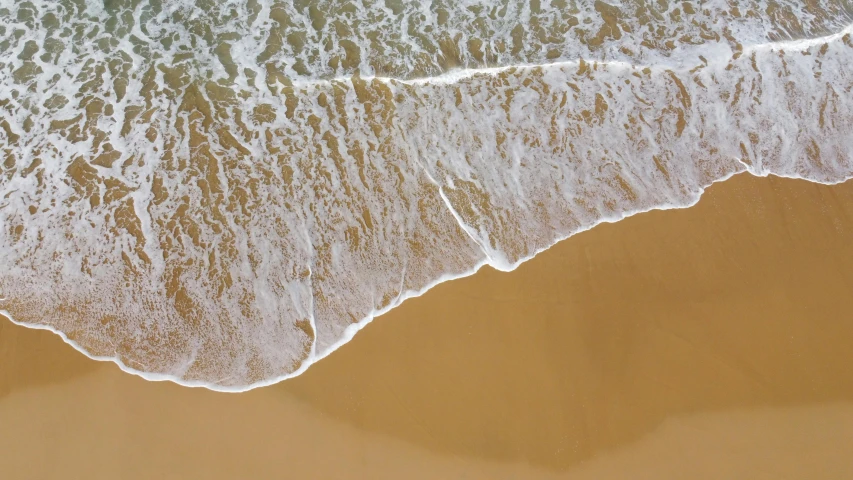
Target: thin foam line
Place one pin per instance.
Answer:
(455, 76)
(350, 331)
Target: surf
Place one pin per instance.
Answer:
(164, 208)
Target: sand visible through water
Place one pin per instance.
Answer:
(222, 193)
(710, 342)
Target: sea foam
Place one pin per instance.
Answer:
(221, 193)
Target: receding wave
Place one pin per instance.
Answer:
(221, 192)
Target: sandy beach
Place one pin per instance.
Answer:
(708, 342)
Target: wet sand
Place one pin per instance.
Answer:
(710, 342)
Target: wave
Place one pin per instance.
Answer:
(349, 333)
(229, 233)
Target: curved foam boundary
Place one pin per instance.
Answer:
(723, 54)
(350, 332)
(447, 78)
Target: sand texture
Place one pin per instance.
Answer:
(710, 342)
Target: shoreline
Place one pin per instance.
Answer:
(708, 341)
(353, 329)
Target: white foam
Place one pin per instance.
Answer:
(248, 226)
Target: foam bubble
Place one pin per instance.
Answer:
(222, 193)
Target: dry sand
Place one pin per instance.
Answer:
(712, 342)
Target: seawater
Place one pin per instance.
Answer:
(222, 192)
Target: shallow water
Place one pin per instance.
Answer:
(222, 192)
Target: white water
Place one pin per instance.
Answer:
(235, 230)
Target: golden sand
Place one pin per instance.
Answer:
(711, 342)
